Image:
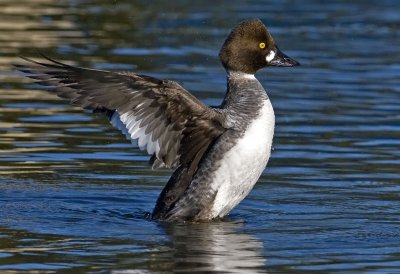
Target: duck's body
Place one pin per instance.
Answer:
(232, 166)
(218, 153)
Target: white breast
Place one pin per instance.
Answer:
(243, 164)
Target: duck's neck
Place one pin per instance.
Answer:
(240, 75)
(244, 90)
(244, 97)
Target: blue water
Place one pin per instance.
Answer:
(75, 195)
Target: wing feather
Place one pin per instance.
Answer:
(161, 115)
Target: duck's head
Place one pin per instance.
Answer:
(250, 47)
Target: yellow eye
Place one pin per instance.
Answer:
(261, 45)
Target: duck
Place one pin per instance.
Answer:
(217, 154)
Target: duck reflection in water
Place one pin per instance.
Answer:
(220, 247)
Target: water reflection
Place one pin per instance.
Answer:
(220, 247)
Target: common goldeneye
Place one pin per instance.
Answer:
(217, 154)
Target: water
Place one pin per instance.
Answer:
(74, 194)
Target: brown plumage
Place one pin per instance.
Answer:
(181, 124)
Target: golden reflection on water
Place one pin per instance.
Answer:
(23, 24)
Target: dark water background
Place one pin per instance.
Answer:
(73, 192)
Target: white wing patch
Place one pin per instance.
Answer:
(130, 127)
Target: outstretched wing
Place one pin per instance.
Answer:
(166, 120)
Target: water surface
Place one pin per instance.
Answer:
(74, 193)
